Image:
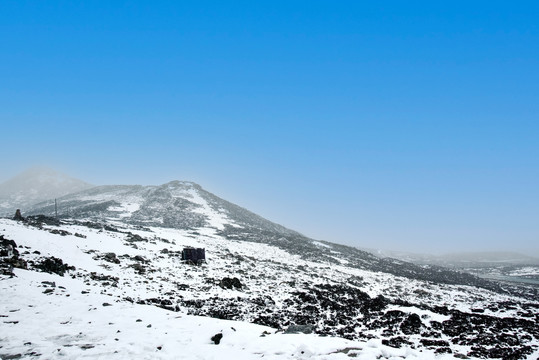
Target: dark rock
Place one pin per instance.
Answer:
(111, 257)
(10, 257)
(10, 356)
(437, 343)
(299, 329)
(8, 247)
(40, 220)
(411, 325)
(217, 338)
(60, 232)
(135, 238)
(396, 342)
(229, 283)
(18, 216)
(53, 265)
(139, 268)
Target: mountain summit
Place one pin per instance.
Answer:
(36, 185)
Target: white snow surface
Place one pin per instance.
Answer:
(72, 322)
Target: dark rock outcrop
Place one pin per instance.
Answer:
(229, 283)
(18, 216)
(217, 338)
(53, 265)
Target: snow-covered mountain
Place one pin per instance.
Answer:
(106, 280)
(36, 185)
(187, 206)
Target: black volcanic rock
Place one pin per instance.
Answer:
(53, 265)
(229, 283)
(18, 216)
(217, 338)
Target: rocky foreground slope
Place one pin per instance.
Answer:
(277, 284)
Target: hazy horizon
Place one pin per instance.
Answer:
(400, 126)
(417, 251)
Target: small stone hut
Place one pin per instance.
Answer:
(194, 255)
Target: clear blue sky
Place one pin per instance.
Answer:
(406, 125)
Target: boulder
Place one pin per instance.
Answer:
(18, 216)
(217, 338)
(229, 283)
(299, 329)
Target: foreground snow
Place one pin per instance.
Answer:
(67, 323)
(87, 313)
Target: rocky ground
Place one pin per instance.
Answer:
(264, 284)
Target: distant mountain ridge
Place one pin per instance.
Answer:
(462, 259)
(36, 185)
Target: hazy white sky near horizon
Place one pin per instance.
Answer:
(404, 126)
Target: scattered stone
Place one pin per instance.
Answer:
(111, 257)
(107, 304)
(60, 232)
(48, 291)
(40, 220)
(299, 329)
(139, 268)
(18, 216)
(229, 283)
(411, 325)
(53, 265)
(217, 338)
(10, 356)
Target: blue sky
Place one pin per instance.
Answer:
(398, 125)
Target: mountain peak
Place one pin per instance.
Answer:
(181, 184)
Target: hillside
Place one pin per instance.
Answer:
(187, 206)
(131, 267)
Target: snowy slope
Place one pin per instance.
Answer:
(66, 324)
(185, 205)
(381, 314)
